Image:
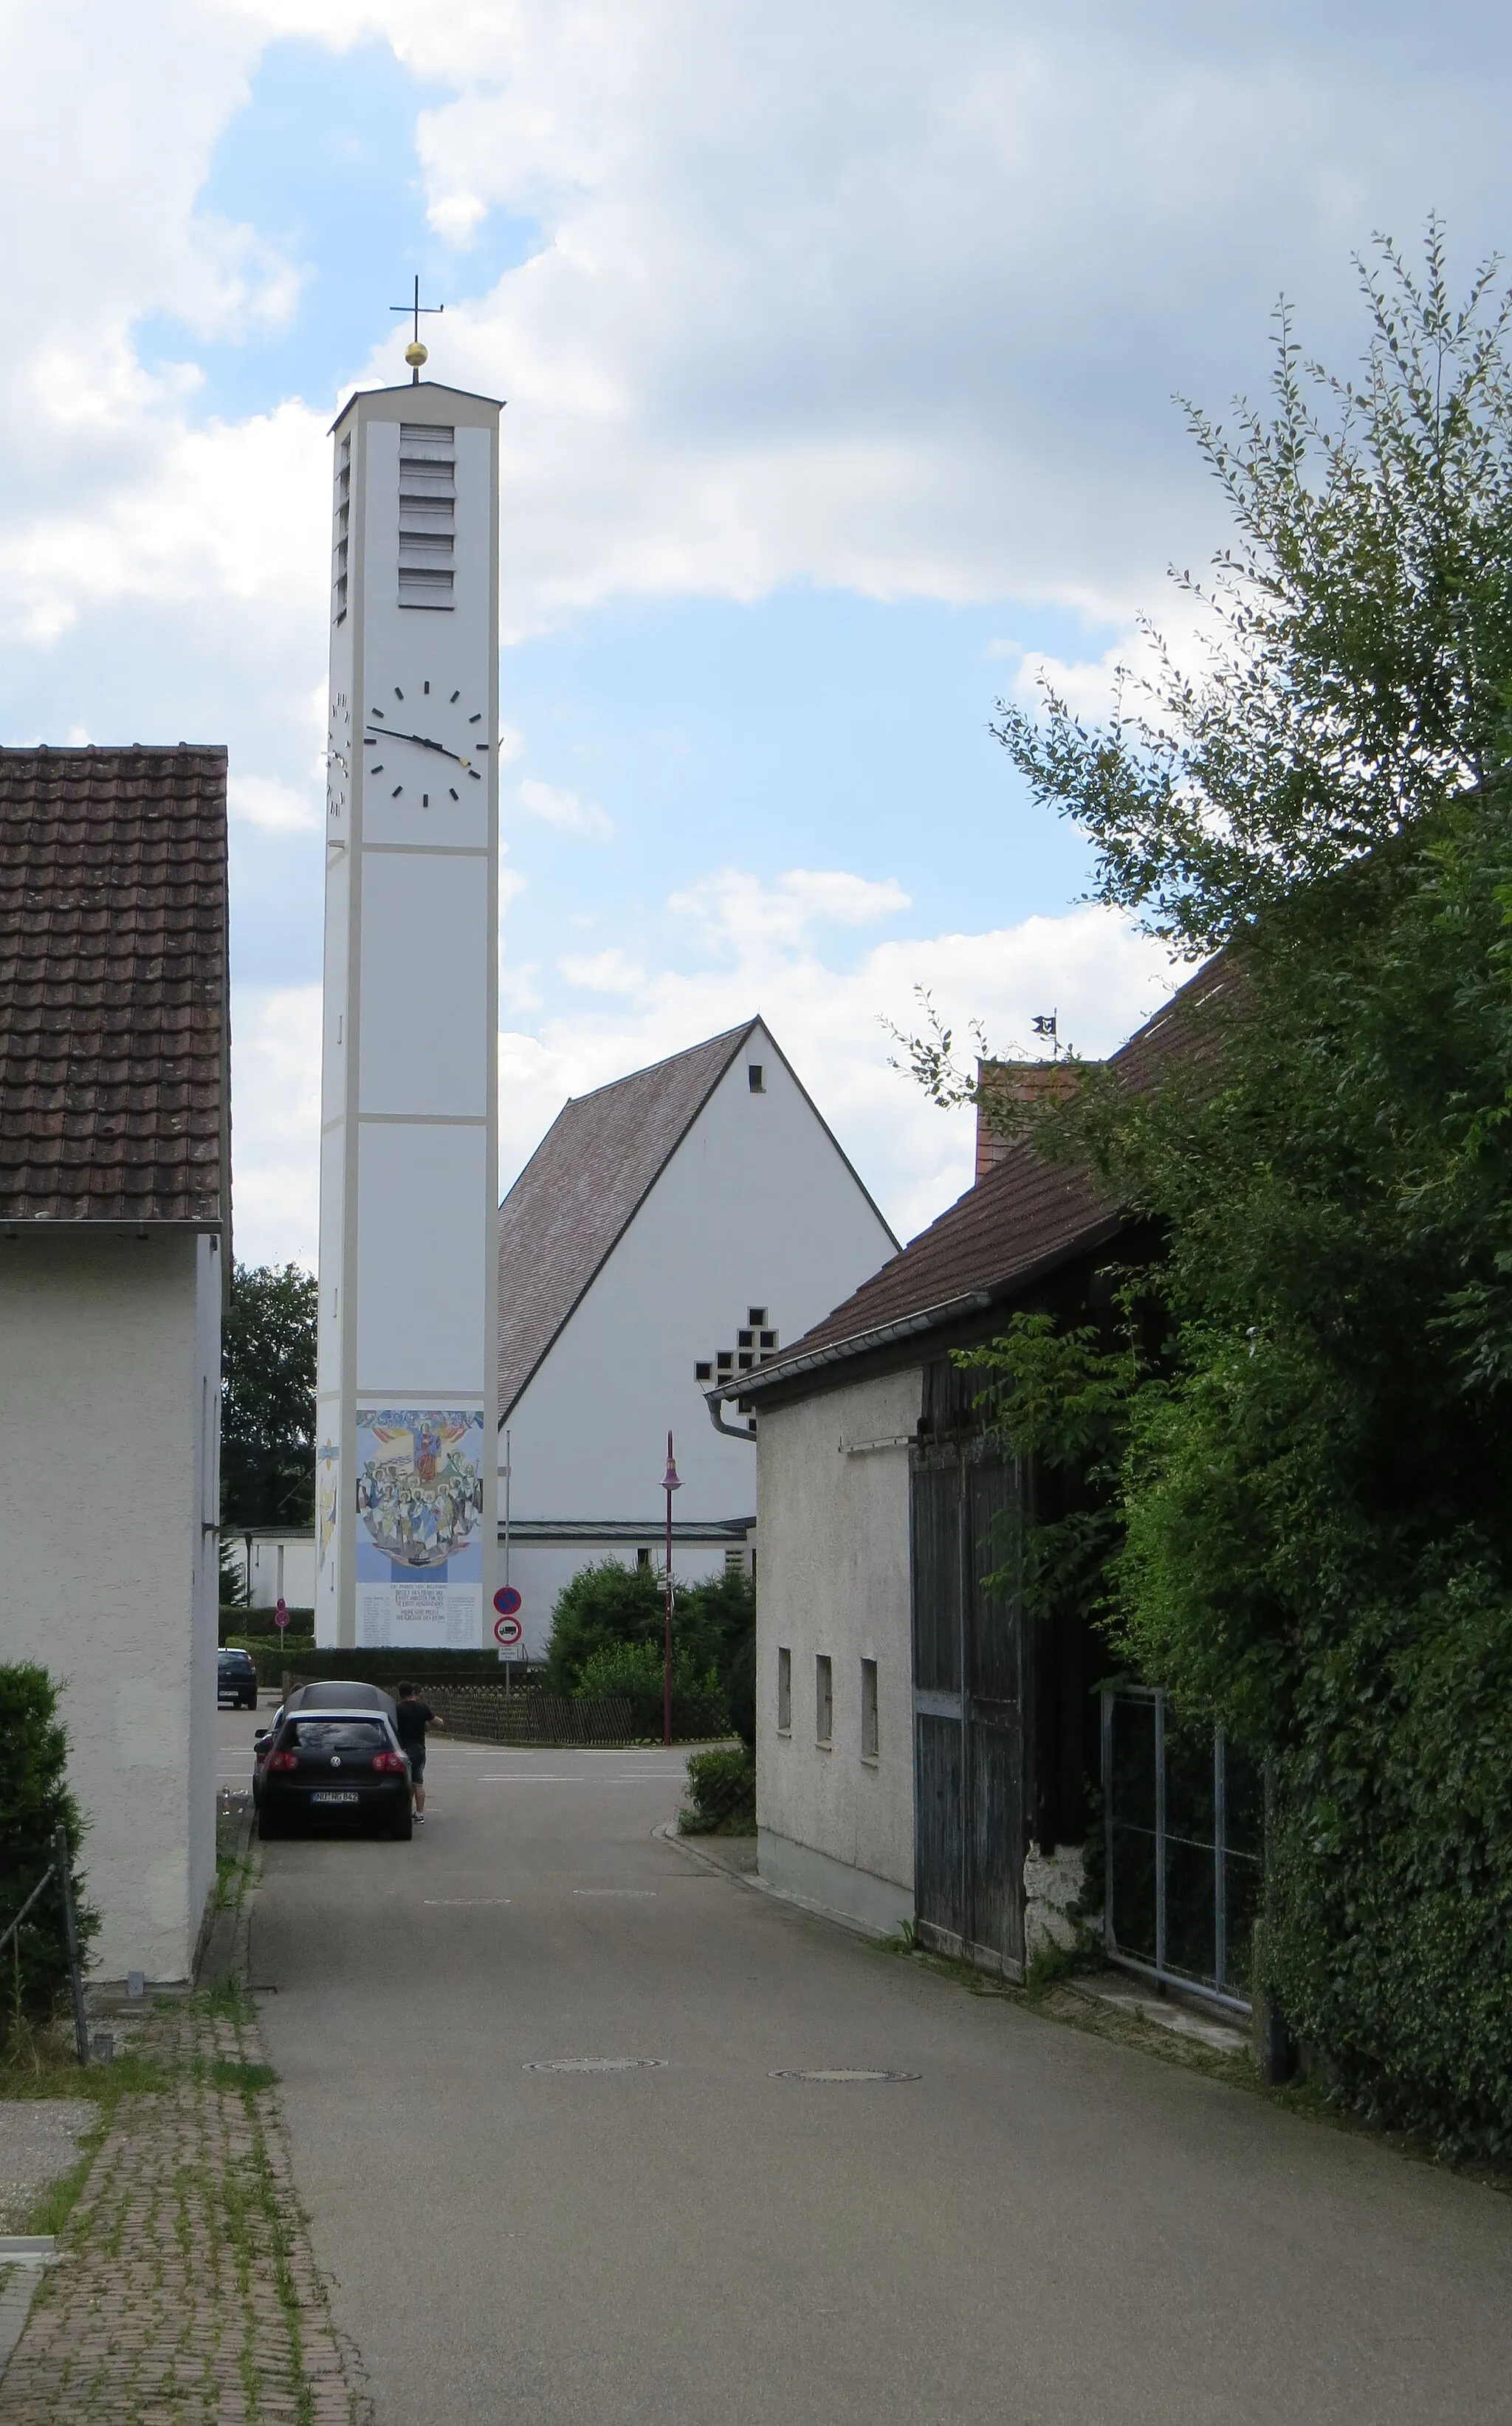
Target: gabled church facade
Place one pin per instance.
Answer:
(670, 1230)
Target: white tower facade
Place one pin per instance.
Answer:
(406, 1474)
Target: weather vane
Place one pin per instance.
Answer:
(1045, 1028)
(415, 353)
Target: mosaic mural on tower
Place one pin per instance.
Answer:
(419, 1548)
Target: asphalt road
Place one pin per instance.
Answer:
(1042, 2226)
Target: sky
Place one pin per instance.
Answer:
(838, 349)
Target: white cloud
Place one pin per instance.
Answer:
(265, 800)
(1099, 974)
(734, 909)
(563, 810)
(610, 972)
(275, 1136)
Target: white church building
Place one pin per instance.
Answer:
(670, 1231)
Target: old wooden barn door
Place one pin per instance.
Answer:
(969, 1732)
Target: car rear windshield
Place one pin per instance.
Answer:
(335, 1735)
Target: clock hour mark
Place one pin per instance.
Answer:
(452, 790)
(377, 766)
(478, 718)
(455, 696)
(375, 711)
(474, 773)
(398, 694)
(425, 799)
(480, 745)
(427, 690)
(398, 789)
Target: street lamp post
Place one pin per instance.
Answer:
(669, 1485)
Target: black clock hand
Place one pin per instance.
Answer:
(421, 741)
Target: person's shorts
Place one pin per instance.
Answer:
(416, 1769)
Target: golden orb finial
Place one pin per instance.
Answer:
(417, 355)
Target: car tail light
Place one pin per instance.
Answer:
(284, 1760)
(389, 1764)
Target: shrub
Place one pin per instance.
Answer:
(607, 1604)
(33, 1804)
(1389, 1916)
(632, 1671)
(721, 1793)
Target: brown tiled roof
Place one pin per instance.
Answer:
(581, 1189)
(1021, 1220)
(114, 1035)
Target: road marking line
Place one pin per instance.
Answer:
(468, 1900)
(614, 1891)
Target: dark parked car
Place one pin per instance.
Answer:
(320, 1761)
(236, 1679)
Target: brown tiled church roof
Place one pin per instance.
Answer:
(115, 1101)
(1018, 1223)
(582, 1188)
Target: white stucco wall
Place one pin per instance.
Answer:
(834, 1578)
(297, 1552)
(109, 1417)
(756, 1208)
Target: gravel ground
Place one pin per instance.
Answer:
(39, 2140)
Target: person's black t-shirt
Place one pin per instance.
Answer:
(410, 1719)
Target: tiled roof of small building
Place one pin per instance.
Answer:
(114, 1034)
(1021, 1220)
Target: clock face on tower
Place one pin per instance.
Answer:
(338, 755)
(425, 744)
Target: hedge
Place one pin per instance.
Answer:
(33, 1804)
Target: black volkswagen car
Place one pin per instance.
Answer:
(333, 1753)
(236, 1679)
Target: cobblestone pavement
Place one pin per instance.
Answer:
(184, 2292)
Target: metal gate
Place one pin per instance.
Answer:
(969, 1727)
(1184, 1848)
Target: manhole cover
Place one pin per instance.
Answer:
(599, 2063)
(841, 2072)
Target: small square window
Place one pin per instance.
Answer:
(747, 1359)
(726, 1359)
(769, 1340)
(703, 1373)
(824, 1697)
(642, 1557)
(746, 1339)
(785, 1692)
(756, 1316)
(755, 1078)
(870, 1730)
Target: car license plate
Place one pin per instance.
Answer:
(333, 1798)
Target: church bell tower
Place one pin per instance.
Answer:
(406, 1477)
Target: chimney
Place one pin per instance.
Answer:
(1007, 1093)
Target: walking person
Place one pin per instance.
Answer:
(410, 1720)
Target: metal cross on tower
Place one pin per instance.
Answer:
(415, 353)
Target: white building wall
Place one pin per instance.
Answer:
(284, 1565)
(109, 1363)
(836, 1829)
(756, 1208)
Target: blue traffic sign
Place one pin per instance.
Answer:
(506, 1600)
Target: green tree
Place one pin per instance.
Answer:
(1308, 1530)
(267, 1397)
